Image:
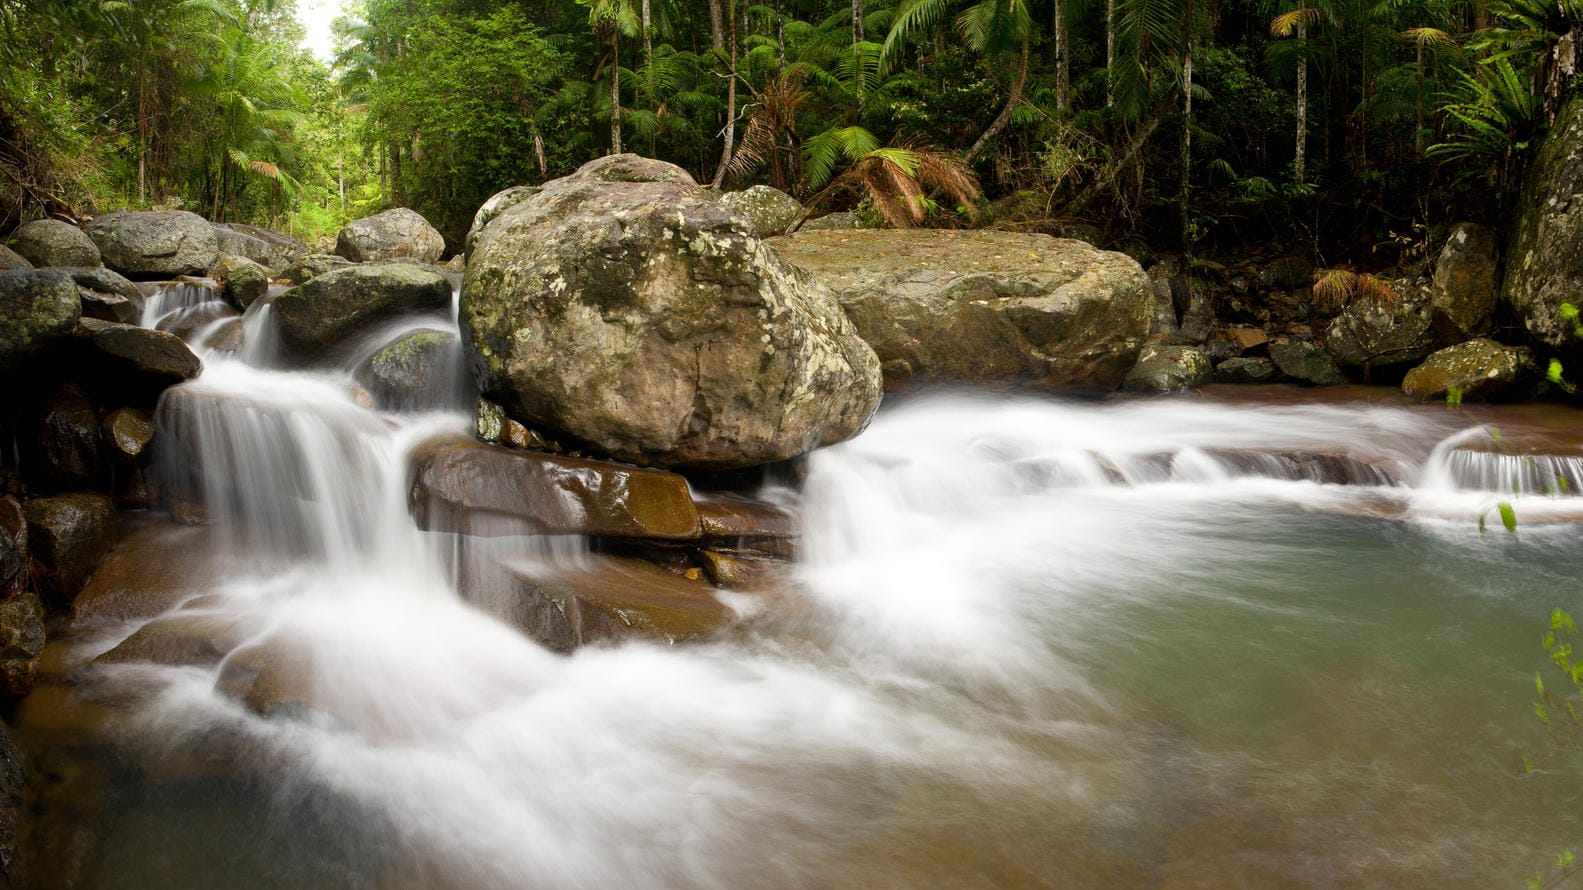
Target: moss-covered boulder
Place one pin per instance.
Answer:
(1544, 258)
(242, 280)
(1376, 334)
(37, 310)
(417, 371)
(314, 318)
(626, 309)
(51, 242)
(1479, 369)
(1169, 369)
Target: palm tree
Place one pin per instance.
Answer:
(1287, 24)
(991, 27)
(256, 104)
(611, 20)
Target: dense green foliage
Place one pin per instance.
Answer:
(1177, 119)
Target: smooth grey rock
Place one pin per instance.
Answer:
(397, 232)
(149, 245)
(316, 317)
(52, 242)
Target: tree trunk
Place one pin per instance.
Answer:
(648, 38)
(538, 152)
(1110, 53)
(1086, 197)
(1063, 80)
(717, 29)
(615, 92)
(1301, 155)
(1418, 110)
(857, 21)
(1184, 193)
(1013, 99)
(731, 107)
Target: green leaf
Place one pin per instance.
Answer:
(1554, 372)
(1508, 516)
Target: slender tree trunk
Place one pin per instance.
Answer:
(1063, 80)
(142, 139)
(717, 28)
(731, 107)
(1110, 53)
(538, 152)
(857, 21)
(1185, 192)
(1418, 110)
(1301, 155)
(615, 92)
(648, 37)
(1013, 99)
(780, 34)
(1092, 191)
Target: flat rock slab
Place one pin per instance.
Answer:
(156, 565)
(611, 599)
(474, 488)
(984, 306)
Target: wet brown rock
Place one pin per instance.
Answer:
(728, 517)
(13, 548)
(611, 599)
(64, 446)
(1479, 369)
(737, 570)
(129, 432)
(471, 487)
(1247, 340)
(67, 537)
(156, 565)
(1466, 285)
(21, 644)
(180, 638)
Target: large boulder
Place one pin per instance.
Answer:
(770, 211)
(147, 244)
(51, 242)
(394, 233)
(37, 309)
(67, 536)
(1375, 334)
(1481, 370)
(266, 247)
(1544, 258)
(985, 306)
(470, 487)
(626, 308)
(317, 316)
(1466, 284)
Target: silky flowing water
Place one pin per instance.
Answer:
(1027, 643)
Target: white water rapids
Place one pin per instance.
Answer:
(1030, 643)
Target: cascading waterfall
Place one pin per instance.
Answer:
(1029, 643)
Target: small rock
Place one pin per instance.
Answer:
(769, 211)
(129, 432)
(842, 221)
(1245, 370)
(1370, 334)
(242, 281)
(1288, 273)
(1306, 363)
(1248, 339)
(64, 449)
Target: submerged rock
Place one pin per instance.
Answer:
(770, 211)
(1481, 370)
(624, 308)
(67, 537)
(482, 489)
(38, 309)
(315, 317)
(985, 306)
(152, 245)
(395, 233)
(51, 242)
(1169, 369)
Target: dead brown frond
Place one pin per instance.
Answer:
(898, 183)
(771, 133)
(947, 173)
(1376, 290)
(265, 168)
(1333, 288)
